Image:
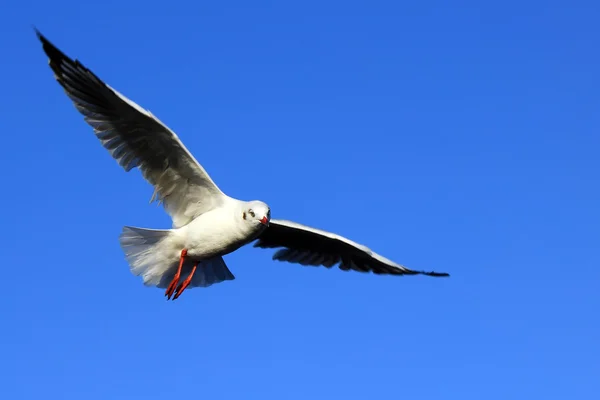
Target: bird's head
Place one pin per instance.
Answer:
(256, 212)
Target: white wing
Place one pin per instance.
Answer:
(135, 138)
(309, 246)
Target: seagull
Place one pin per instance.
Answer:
(207, 223)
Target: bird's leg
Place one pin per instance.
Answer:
(175, 280)
(185, 283)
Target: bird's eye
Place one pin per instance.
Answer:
(251, 213)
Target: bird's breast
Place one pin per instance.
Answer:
(211, 235)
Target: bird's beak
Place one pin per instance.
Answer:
(264, 221)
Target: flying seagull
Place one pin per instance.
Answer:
(207, 224)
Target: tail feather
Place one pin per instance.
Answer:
(145, 251)
(211, 271)
(151, 254)
(208, 273)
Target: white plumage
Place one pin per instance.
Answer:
(207, 223)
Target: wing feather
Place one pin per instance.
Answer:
(136, 138)
(301, 244)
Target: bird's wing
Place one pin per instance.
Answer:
(309, 246)
(135, 138)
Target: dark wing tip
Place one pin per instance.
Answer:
(436, 274)
(51, 50)
(42, 38)
(66, 68)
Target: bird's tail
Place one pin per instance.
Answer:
(153, 254)
(147, 252)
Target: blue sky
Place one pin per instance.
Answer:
(450, 136)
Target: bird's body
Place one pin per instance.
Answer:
(207, 224)
(217, 233)
(155, 254)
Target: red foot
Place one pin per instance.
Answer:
(185, 283)
(175, 280)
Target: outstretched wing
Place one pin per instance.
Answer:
(135, 138)
(309, 246)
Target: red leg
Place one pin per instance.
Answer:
(175, 280)
(185, 283)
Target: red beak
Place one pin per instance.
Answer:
(264, 221)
